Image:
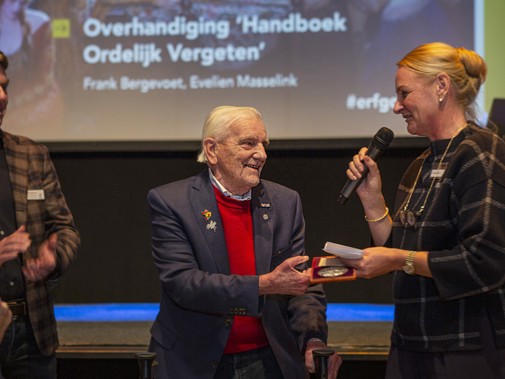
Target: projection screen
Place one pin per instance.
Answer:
(123, 70)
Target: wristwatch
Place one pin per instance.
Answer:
(409, 267)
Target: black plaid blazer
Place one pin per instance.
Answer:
(31, 169)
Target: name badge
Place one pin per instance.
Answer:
(437, 173)
(36, 195)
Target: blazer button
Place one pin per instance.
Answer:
(227, 322)
(214, 364)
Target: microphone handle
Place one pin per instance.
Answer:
(351, 185)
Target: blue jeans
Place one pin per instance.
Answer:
(255, 364)
(20, 357)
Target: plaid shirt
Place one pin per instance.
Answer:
(463, 229)
(30, 168)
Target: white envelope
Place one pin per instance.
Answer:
(342, 251)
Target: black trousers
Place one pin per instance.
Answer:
(488, 363)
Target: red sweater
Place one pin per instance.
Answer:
(247, 332)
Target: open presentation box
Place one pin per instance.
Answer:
(330, 269)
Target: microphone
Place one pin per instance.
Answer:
(378, 145)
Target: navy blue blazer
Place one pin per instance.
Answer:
(200, 297)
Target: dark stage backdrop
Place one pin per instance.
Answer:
(107, 195)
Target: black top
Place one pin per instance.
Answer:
(11, 278)
(462, 228)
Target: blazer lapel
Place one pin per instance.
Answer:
(263, 235)
(16, 156)
(203, 202)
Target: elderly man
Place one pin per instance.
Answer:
(236, 300)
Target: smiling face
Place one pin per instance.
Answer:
(237, 160)
(417, 102)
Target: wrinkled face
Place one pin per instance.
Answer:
(237, 160)
(4, 99)
(416, 101)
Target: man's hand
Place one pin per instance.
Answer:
(5, 318)
(285, 279)
(334, 361)
(39, 268)
(11, 246)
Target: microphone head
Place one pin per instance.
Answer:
(383, 138)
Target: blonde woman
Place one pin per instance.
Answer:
(443, 237)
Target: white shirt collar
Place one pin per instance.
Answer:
(224, 191)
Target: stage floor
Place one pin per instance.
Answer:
(356, 331)
(353, 340)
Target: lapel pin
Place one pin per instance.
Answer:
(211, 224)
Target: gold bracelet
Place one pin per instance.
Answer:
(380, 218)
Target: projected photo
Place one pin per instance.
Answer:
(124, 70)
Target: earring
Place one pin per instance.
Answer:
(440, 99)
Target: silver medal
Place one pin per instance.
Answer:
(331, 272)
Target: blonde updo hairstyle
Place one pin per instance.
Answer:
(466, 69)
